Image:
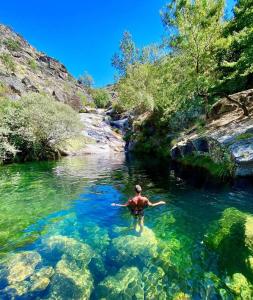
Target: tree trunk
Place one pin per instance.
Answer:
(239, 104)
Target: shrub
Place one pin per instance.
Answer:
(8, 62)
(33, 65)
(101, 98)
(12, 45)
(34, 127)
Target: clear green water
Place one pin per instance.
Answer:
(60, 239)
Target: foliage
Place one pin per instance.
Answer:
(235, 53)
(12, 45)
(8, 62)
(128, 55)
(101, 97)
(32, 63)
(86, 80)
(34, 127)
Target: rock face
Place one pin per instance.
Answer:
(24, 69)
(99, 136)
(229, 130)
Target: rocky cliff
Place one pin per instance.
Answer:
(229, 131)
(24, 69)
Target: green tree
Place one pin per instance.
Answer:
(86, 80)
(128, 54)
(195, 27)
(101, 97)
(235, 55)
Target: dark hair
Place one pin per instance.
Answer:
(138, 189)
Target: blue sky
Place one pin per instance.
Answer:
(82, 34)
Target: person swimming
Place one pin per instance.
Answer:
(136, 205)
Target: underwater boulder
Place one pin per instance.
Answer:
(240, 287)
(233, 233)
(154, 280)
(70, 281)
(129, 247)
(23, 275)
(97, 237)
(71, 247)
(181, 296)
(125, 285)
(22, 265)
(41, 279)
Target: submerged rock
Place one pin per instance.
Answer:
(126, 284)
(97, 237)
(71, 281)
(71, 247)
(22, 265)
(240, 287)
(154, 283)
(23, 276)
(129, 247)
(41, 279)
(232, 234)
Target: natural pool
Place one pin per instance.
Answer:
(61, 239)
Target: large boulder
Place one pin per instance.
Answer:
(71, 247)
(126, 284)
(130, 247)
(70, 281)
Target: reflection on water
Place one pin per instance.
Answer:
(61, 239)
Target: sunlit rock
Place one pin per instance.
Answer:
(71, 247)
(129, 247)
(154, 283)
(41, 279)
(71, 281)
(22, 265)
(126, 284)
(240, 287)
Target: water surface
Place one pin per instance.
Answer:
(61, 239)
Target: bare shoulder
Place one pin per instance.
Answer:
(145, 199)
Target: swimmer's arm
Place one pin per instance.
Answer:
(120, 205)
(156, 203)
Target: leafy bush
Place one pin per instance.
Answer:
(8, 62)
(101, 98)
(34, 127)
(12, 45)
(33, 65)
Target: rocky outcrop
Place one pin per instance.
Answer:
(24, 69)
(97, 136)
(228, 130)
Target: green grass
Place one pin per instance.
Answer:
(12, 45)
(219, 170)
(33, 65)
(244, 136)
(8, 61)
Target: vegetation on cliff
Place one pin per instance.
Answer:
(204, 57)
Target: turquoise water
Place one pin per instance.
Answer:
(61, 239)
